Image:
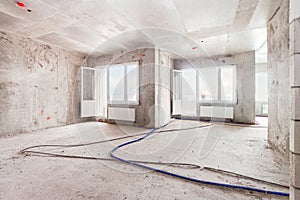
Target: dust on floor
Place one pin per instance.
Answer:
(243, 150)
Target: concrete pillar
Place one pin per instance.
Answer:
(278, 79)
(294, 20)
(163, 66)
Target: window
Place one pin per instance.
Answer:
(210, 84)
(117, 83)
(261, 93)
(132, 83)
(261, 86)
(88, 92)
(88, 84)
(228, 83)
(177, 85)
(217, 84)
(124, 83)
(189, 85)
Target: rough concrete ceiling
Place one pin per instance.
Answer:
(103, 26)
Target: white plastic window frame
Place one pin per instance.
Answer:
(220, 100)
(87, 108)
(126, 99)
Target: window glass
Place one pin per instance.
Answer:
(261, 93)
(189, 84)
(124, 83)
(227, 83)
(261, 86)
(116, 83)
(208, 84)
(132, 83)
(88, 82)
(177, 86)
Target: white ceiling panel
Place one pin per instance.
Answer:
(248, 40)
(145, 13)
(38, 29)
(215, 45)
(197, 14)
(59, 40)
(189, 28)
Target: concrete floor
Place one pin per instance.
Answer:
(243, 150)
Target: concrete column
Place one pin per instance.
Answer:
(163, 66)
(294, 20)
(278, 79)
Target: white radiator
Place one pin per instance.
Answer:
(124, 114)
(216, 112)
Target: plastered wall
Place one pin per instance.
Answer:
(39, 85)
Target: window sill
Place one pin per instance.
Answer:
(217, 103)
(123, 105)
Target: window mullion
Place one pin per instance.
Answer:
(125, 85)
(219, 84)
(197, 85)
(107, 86)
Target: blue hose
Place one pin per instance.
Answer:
(185, 177)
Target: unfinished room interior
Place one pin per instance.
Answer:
(137, 99)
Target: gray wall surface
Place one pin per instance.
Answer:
(244, 110)
(37, 84)
(278, 78)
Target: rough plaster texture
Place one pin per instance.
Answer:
(278, 78)
(37, 85)
(295, 95)
(163, 67)
(244, 110)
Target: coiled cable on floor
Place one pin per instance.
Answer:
(181, 176)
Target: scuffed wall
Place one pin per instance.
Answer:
(37, 84)
(278, 75)
(244, 110)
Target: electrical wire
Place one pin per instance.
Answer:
(185, 177)
(172, 164)
(139, 163)
(109, 140)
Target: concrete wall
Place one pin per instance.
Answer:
(145, 111)
(244, 110)
(294, 30)
(278, 78)
(37, 84)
